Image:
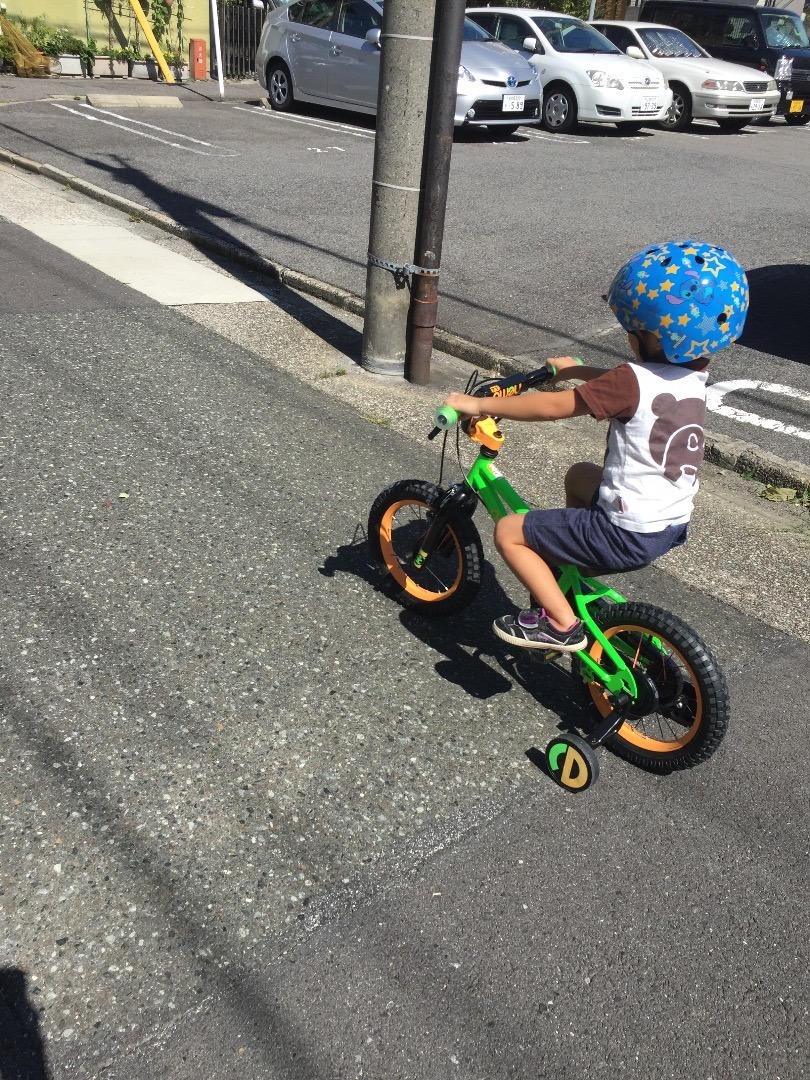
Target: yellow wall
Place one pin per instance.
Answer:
(71, 14)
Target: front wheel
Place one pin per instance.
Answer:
(279, 87)
(679, 116)
(450, 577)
(681, 712)
(797, 119)
(559, 109)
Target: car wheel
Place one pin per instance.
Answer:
(279, 87)
(797, 119)
(732, 125)
(679, 116)
(559, 109)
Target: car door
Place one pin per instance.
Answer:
(354, 63)
(306, 44)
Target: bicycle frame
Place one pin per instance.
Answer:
(499, 499)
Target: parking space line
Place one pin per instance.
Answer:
(717, 391)
(570, 140)
(134, 131)
(143, 123)
(329, 125)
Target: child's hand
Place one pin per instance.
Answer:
(465, 404)
(562, 366)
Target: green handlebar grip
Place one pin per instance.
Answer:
(446, 417)
(580, 362)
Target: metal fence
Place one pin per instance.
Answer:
(239, 32)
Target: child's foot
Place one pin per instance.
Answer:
(533, 630)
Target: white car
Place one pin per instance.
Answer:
(703, 88)
(584, 77)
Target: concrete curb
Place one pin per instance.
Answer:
(733, 454)
(127, 101)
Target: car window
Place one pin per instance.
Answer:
(568, 35)
(784, 31)
(487, 22)
(295, 11)
(474, 32)
(670, 43)
(739, 30)
(512, 32)
(621, 37)
(317, 13)
(356, 18)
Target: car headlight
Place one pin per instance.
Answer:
(784, 68)
(722, 84)
(464, 74)
(772, 85)
(536, 72)
(601, 78)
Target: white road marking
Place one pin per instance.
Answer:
(716, 393)
(132, 131)
(570, 140)
(143, 123)
(168, 277)
(329, 125)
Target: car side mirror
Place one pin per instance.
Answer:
(373, 36)
(635, 52)
(530, 44)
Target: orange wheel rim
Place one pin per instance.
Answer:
(395, 567)
(627, 732)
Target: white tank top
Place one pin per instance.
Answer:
(650, 475)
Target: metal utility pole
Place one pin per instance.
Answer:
(436, 177)
(405, 61)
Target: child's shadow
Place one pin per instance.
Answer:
(473, 658)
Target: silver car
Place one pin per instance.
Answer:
(327, 52)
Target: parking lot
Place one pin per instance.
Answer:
(535, 224)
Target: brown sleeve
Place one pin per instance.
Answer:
(614, 395)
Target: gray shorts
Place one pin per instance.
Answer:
(588, 538)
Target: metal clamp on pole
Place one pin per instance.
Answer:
(402, 271)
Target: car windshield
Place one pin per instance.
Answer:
(784, 31)
(670, 43)
(472, 31)
(568, 35)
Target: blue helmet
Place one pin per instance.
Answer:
(694, 296)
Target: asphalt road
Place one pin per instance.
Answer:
(535, 226)
(257, 821)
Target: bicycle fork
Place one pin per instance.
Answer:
(457, 497)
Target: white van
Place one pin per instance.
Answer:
(584, 76)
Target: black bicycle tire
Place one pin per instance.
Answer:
(702, 666)
(463, 532)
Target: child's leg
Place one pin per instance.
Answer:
(532, 571)
(581, 484)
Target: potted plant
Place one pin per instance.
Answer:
(178, 65)
(123, 59)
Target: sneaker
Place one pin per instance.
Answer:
(532, 630)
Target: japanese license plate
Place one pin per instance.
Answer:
(757, 104)
(513, 102)
(796, 106)
(650, 105)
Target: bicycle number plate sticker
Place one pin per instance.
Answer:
(513, 102)
(495, 472)
(757, 104)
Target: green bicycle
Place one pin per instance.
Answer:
(660, 698)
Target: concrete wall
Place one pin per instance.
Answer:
(74, 13)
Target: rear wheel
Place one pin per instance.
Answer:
(559, 109)
(732, 124)
(679, 116)
(449, 579)
(279, 87)
(797, 119)
(681, 713)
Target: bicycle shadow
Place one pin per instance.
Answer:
(472, 657)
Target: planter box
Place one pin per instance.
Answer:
(143, 69)
(72, 65)
(108, 68)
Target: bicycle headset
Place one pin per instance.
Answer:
(692, 295)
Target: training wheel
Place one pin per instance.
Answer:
(572, 763)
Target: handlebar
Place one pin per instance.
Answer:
(446, 418)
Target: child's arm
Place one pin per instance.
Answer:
(571, 367)
(532, 406)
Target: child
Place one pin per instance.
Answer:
(679, 303)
